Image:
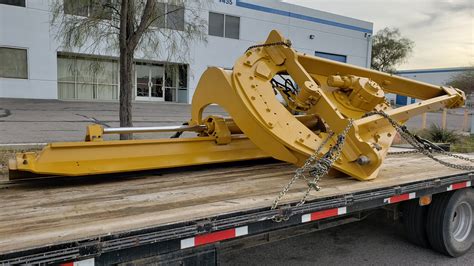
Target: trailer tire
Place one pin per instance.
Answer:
(449, 222)
(414, 221)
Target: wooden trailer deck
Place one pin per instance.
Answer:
(36, 215)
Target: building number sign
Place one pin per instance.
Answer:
(227, 2)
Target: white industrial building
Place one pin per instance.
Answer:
(436, 76)
(32, 65)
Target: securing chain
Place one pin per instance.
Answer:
(300, 172)
(316, 167)
(412, 151)
(424, 146)
(287, 44)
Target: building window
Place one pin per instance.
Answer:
(334, 57)
(175, 17)
(83, 78)
(169, 16)
(84, 8)
(13, 2)
(160, 19)
(401, 100)
(176, 83)
(216, 24)
(13, 63)
(232, 27)
(224, 25)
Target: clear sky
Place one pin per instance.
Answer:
(443, 30)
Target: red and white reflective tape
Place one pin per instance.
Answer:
(214, 237)
(88, 262)
(323, 214)
(459, 185)
(398, 198)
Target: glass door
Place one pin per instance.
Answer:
(143, 77)
(149, 82)
(156, 82)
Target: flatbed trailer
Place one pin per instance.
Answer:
(190, 215)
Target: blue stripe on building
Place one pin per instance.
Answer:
(300, 16)
(424, 71)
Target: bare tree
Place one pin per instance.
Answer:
(127, 27)
(389, 49)
(465, 82)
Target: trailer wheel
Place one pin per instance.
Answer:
(449, 222)
(414, 221)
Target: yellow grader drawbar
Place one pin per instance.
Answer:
(322, 97)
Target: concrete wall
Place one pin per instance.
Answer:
(29, 28)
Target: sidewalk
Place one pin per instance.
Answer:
(39, 121)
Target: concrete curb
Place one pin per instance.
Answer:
(19, 146)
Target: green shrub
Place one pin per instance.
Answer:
(439, 135)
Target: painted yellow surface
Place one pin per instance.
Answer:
(329, 94)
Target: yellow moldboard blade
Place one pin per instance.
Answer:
(93, 158)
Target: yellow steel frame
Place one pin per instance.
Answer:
(103, 157)
(330, 93)
(247, 95)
